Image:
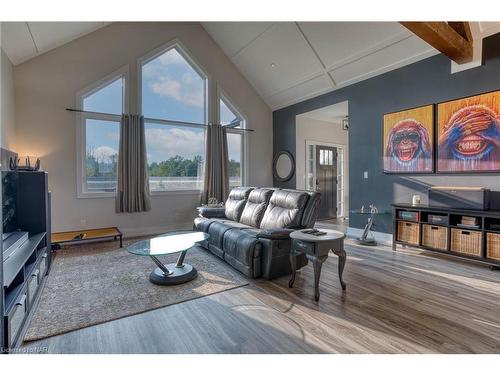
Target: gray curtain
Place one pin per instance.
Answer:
(132, 191)
(216, 164)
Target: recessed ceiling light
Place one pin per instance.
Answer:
(273, 65)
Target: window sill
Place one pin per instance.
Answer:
(153, 194)
(95, 195)
(175, 192)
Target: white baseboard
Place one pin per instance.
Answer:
(147, 231)
(382, 238)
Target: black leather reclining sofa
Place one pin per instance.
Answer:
(252, 231)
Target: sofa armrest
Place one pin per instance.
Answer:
(212, 212)
(275, 234)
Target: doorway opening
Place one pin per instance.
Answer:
(322, 159)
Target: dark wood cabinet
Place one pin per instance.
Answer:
(443, 230)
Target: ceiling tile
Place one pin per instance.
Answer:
(233, 36)
(399, 54)
(17, 42)
(49, 35)
(284, 46)
(338, 42)
(303, 91)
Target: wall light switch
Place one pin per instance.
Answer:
(365, 174)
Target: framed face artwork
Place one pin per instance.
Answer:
(468, 133)
(409, 141)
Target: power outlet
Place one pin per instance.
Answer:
(83, 223)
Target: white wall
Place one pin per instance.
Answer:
(46, 85)
(308, 129)
(7, 124)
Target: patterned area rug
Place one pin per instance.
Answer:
(95, 283)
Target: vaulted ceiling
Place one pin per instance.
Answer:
(286, 62)
(291, 61)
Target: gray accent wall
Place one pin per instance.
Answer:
(424, 82)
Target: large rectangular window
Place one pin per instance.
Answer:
(173, 99)
(233, 121)
(173, 89)
(175, 157)
(234, 144)
(100, 135)
(101, 155)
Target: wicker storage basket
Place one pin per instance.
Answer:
(466, 241)
(493, 246)
(409, 232)
(435, 237)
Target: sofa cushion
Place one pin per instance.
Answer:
(256, 206)
(243, 251)
(311, 209)
(236, 201)
(216, 231)
(274, 253)
(285, 209)
(234, 225)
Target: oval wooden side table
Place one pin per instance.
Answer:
(316, 249)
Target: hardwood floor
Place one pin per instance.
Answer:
(406, 301)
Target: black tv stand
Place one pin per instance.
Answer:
(24, 271)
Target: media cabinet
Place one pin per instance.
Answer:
(25, 269)
(412, 227)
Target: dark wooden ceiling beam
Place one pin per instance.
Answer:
(463, 28)
(444, 37)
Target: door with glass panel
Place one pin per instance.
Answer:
(326, 180)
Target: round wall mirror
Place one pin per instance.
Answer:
(283, 166)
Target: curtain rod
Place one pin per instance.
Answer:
(231, 125)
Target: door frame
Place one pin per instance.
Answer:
(340, 166)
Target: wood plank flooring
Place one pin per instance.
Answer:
(408, 301)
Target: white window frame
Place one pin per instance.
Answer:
(175, 43)
(230, 104)
(81, 142)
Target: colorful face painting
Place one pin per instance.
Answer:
(408, 141)
(469, 134)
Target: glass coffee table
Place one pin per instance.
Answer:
(169, 243)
